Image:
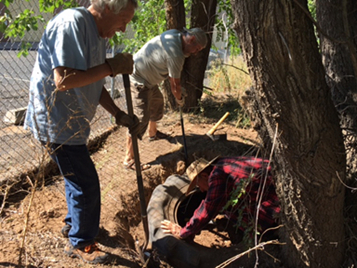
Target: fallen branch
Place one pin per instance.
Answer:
(257, 247)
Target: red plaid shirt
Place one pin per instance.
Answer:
(227, 173)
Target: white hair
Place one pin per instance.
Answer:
(114, 5)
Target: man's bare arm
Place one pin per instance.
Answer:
(66, 78)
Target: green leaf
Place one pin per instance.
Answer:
(7, 2)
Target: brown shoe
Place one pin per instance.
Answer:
(89, 254)
(159, 136)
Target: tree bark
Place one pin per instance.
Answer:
(175, 14)
(203, 15)
(294, 105)
(339, 55)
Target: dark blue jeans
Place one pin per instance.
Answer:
(82, 192)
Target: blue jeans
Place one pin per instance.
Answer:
(82, 192)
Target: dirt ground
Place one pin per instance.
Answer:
(39, 216)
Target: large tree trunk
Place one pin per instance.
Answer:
(175, 14)
(203, 16)
(339, 55)
(295, 106)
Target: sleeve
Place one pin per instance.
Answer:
(172, 44)
(209, 208)
(174, 66)
(68, 46)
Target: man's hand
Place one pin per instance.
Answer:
(121, 63)
(171, 228)
(125, 120)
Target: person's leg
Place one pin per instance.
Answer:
(83, 201)
(129, 155)
(68, 218)
(156, 114)
(152, 128)
(82, 192)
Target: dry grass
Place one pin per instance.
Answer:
(229, 77)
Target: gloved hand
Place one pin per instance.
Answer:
(121, 63)
(181, 102)
(125, 120)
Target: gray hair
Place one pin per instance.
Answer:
(201, 36)
(114, 5)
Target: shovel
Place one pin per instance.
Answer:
(137, 166)
(184, 137)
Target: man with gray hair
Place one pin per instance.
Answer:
(160, 58)
(67, 84)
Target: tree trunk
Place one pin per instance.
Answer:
(175, 14)
(203, 16)
(175, 19)
(294, 104)
(339, 55)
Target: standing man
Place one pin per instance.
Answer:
(222, 177)
(160, 58)
(67, 84)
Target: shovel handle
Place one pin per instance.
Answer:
(139, 178)
(214, 128)
(184, 137)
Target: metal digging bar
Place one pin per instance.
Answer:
(137, 166)
(184, 137)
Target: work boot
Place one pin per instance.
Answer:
(65, 230)
(90, 254)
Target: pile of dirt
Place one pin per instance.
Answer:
(39, 216)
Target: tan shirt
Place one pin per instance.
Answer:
(158, 59)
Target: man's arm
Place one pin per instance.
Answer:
(201, 217)
(66, 78)
(121, 118)
(208, 209)
(211, 206)
(107, 102)
(176, 87)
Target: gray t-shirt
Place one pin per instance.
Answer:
(159, 58)
(71, 39)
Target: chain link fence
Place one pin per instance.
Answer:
(19, 153)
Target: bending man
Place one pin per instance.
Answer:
(221, 178)
(160, 58)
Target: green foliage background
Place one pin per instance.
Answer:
(148, 22)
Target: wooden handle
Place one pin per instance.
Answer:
(214, 128)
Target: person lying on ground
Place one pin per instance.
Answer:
(160, 58)
(224, 179)
(67, 84)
